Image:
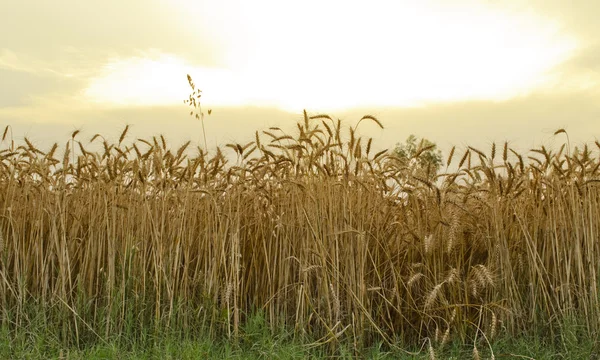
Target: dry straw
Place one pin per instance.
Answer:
(213, 238)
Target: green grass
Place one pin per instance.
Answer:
(40, 340)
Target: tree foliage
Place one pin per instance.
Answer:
(420, 155)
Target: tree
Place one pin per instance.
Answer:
(421, 156)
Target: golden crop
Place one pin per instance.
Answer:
(313, 228)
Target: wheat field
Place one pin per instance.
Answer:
(311, 228)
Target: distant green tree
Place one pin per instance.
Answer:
(421, 155)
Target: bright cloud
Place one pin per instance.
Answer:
(349, 55)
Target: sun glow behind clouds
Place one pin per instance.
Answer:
(159, 79)
(134, 81)
(335, 55)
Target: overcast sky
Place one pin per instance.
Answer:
(457, 72)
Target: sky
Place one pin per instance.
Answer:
(460, 72)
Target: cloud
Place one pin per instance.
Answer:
(50, 51)
(51, 30)
(21, 89)
(385, 54)
(525, 122)
(585, 62)
(158, 79)
(58, 55)
(578, 16)
(25, 79)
